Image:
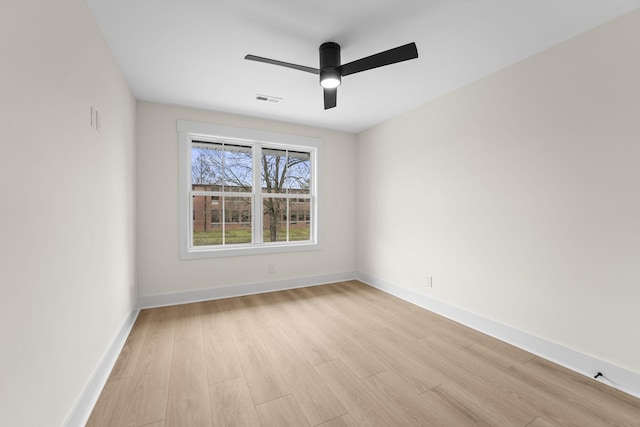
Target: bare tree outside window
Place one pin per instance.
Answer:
(283, 172)
(202, 172)
(220, 172)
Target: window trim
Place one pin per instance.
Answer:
(189, 131)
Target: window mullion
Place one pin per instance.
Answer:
(286, 191)
(190, 243)
(257, 195)
(288, 222)
(223, 201)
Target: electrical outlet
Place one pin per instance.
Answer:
(429, 281)
(272, 268)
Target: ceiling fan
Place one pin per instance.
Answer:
(331, 71)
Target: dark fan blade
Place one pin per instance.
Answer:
(391, 56)
(282, 64)
(330, 96)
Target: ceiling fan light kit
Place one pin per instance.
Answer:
(330, 79)
(329, 62)
(331, 71)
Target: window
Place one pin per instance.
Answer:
(245, 192)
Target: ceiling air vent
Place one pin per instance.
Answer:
(267, 98)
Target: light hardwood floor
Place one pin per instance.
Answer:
(343, 354)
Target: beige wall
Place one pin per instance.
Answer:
(160, 269)
(67, 248)
(521, 195)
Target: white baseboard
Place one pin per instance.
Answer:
(81, 411)
(240, 290)
(615, 376)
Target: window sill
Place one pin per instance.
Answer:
(264, 249)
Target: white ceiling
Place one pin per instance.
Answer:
(190, 52)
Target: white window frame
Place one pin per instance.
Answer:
(188, 132)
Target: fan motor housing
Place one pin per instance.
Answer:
(329, 61)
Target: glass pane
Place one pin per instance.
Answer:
(214, 216)
(214, 165)
(298, 175)
(273, 170)
(237, 220)
(281, 215)
(274, 220)
(300, 223)
(207, 227)
(238, 168)
(206, 167)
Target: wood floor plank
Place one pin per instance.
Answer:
(279, 305)
(358, 359)
(263, 377)
(128, 359)
(513, 353)
(189, 403)
(315, 399)
(364, 405)
(188, 323)
(602, 409)
(417, 376)
(453, 412)
(613, 404)
(234, 310)
(382, 302)
(492, 356)
(343, 421)
(301, 321)
(281, 412)
(221, 357)
(350, 308)
(258, 314)
(316, 297)
(540, 398)
(212, 315)
(303, 329)
(111, 400)
(381, 317)
(442, 358)
(432, 323)
(495, 411)
(148, 389)
(539, 422)
(163, 318)
(231, 404)
(391, 388)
